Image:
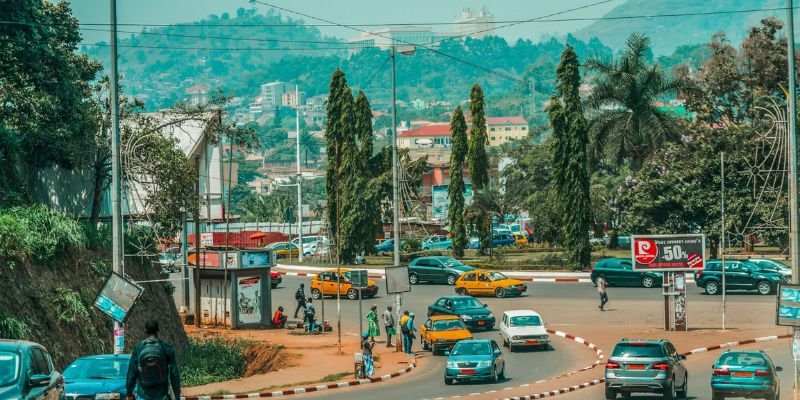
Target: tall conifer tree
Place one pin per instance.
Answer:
(455, 192)
(370, 224)
(349, 184)
(333, 136)
(479, 161)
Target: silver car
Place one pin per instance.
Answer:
(646, 366)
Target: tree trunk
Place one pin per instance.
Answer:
(714, 248)
(99, 189)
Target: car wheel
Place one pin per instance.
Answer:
(424, 345)
(712, 288)
(611, 394)
(451, 280)
(502, 375)
(494, 375)
(683, 393)
(461, 291)
(717, 396)
(499, 293)
(489, 327)
(648, 282)
(352, 294)
(511, 348)
(764, 288)
(669, 391)
(316, 294)
(413, 278)
(448, 381)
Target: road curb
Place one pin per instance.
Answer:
(596, 382)
(310, 389)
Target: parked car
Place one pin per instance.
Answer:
(441, 332)
(97, 377)
(503, 240)
(316, 249)
(27, 372)
(436, 269)
(170, 259)
(283, 249)
(768, 263)
(310, 239)
(523, 328)
(619, 271)
(513, 228)
(491, 283)
(750, 374)
(501, 231)
(520, 239)
(475, 360)
(646, 366)
(325, 284)
(600, 241)
(387, 246)
(275, 279)
(739, 275)
(437, 242)
(469, 309)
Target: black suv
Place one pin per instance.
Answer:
(619, 272)
(739, 275)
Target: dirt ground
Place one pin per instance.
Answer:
(282, 359)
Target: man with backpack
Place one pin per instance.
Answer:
(153, 367)
(300, 296)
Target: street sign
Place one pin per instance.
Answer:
(359, 277)
(668, 252)
(397, 279)
(788, 313)
(117, 297)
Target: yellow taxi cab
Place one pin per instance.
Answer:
(441, 332)
(325, 284)
(483, 282)
(520, 239)
(282, 249)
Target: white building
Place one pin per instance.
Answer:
(474, 24)
(272, 94)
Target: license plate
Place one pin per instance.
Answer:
(741, 373)
(531, 342)
(481, 323)
(636, 367)
(467, 371)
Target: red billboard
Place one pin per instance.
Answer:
(668, 252)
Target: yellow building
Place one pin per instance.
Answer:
(505, 129)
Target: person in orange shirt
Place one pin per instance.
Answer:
(279, 320)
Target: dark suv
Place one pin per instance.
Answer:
(739, 275)
(646, 366)
(619, 272)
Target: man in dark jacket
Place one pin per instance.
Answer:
(153, 367)
(300, 296)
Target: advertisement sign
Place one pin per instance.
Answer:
(249, 302)
(206, 239)
(255, 259)
(117, 297)
(440, 202)
(668, 252)
(232, 259)
(397, 280)
(788, 313)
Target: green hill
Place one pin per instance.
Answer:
(667, 33)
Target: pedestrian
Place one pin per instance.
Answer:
(153, 369)
(372, 323)
(411, 336)
(309, 316)
(279, 319)
(601, 288)
(300, 296)
(388, 325)
(366, 354)
(404, 331)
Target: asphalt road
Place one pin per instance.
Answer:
(562, 305)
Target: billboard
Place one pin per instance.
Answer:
(254, 259)
(249, 301)
(397, 279)
(117, 297)
(668, 252)
(788, 313)
(440, 202)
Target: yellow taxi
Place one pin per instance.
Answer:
(283, 249)
(520, 239)
(325, 284)
(441, 332)
(483, 282)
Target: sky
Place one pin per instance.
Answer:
(349, 12)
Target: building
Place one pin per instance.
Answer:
(506, 129)
(435, 135)
(197, 94)
(474, 24)
(293, 99)
(401, 35)
(272, 94)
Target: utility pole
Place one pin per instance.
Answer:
(794, 222)
(398, 299)
(299, 179)
(116, 175)
(722, 235)
(197, 287)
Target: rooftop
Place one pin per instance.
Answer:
(434, 129)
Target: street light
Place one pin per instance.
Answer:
(406, 51)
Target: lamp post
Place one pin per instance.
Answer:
(405, 50)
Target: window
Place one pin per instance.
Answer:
(493, 138)
(524, 128)
(493, 129)
(483, 278)
(469, 277)
(508, 128)
(39, 364)
(441, 302)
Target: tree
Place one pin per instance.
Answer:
(455, 192)
(370, 222)
(628, 125)
(478, 160)
(484, 206)
(570, 161)
(339, 124)
(308, 145)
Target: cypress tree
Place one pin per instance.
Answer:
(479, 161)
(334, 132)
(370, 224)
(570, 132)
(349, 185)
(455, 192)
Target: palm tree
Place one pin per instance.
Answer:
(627, 124)
(308, 144)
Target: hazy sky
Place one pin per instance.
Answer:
(347, 12)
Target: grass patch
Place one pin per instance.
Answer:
(36, 232)
(12, 328)
(212, 360)
(69, 306)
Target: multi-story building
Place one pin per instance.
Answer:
(474, 24)
(293, 99)
(272, 94)
(197, 94)
(435, 135)
(400, 35)
(505, 129)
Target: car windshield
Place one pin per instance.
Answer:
(638, 350)
(97, 368)
(497, 276)
(9, 368)
(452, 262)
(449, 325)
(742, 360)
(526, 320)
(467, 302)
(472, 349)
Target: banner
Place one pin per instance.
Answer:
(249, 302)
(668, 252)
(117, 297)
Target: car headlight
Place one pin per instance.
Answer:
(486, 363)
(107, 396)
(515, 337)
(439, 340)
(451, 364)
(490, 316)
(466, 317)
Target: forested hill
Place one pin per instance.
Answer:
(667, 33)
(160, 64)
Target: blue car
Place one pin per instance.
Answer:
(498, 240)
(97, 377)
(387, 246)
(475, 360)
(27, 372)
(748, 374)
(437, 242)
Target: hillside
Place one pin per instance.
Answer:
(667, 33)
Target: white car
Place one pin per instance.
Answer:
(523, 328)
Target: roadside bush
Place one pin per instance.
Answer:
(69, 306)
(405, 257)
(12, 328)
(39, 233)
(212, 360)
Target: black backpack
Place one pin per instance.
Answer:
(300, 295)
(153, 367)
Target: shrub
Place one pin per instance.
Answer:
(212, 360)
(69, 306)
(39, 233)
(12, 328)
